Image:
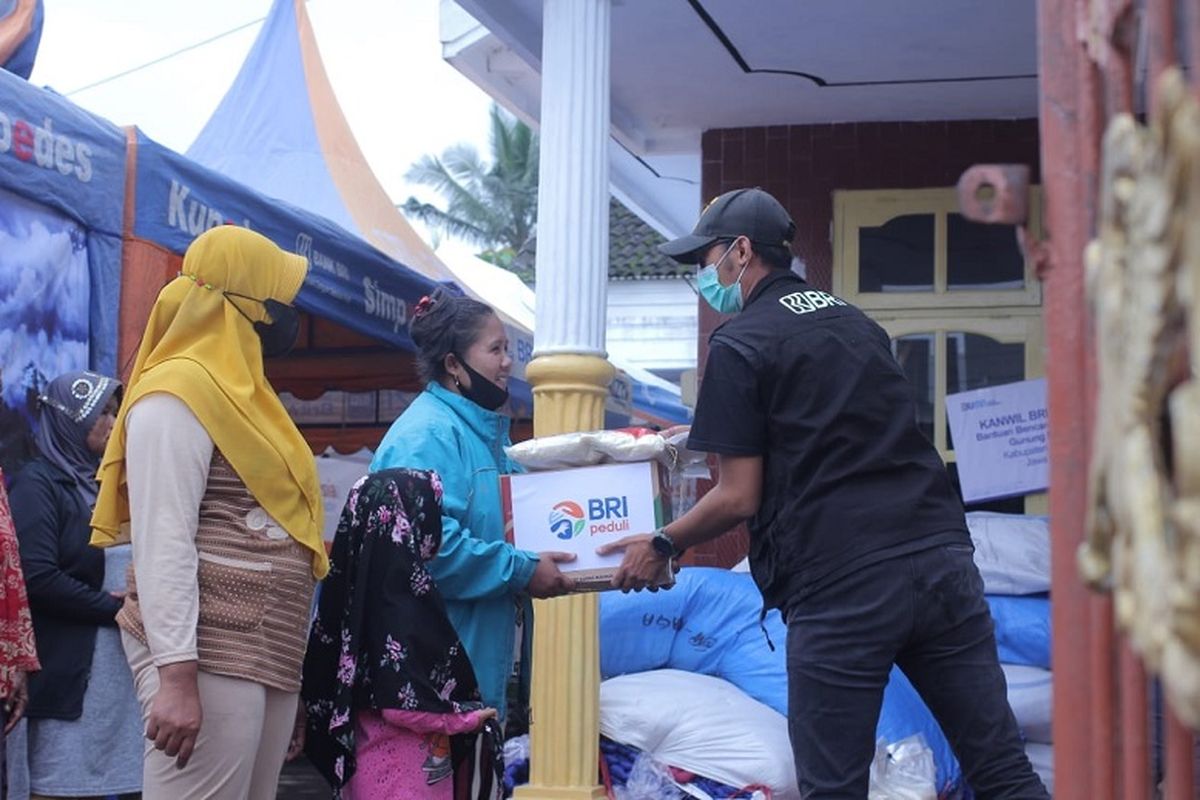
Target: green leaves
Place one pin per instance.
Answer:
(492, 204)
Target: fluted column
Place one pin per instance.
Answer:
(572, 231)
(569, 373)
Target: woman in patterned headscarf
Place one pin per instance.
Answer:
(84, 692)
(393, 704)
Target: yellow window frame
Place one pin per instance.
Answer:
(853, 210)
(1008, 316)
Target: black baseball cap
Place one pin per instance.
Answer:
(743, 212)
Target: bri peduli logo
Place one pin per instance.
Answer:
(604, 515)
(566, 519)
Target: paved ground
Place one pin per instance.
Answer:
(300, 781)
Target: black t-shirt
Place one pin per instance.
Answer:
(809, 382)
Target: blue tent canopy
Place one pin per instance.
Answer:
(349, 282)
(56, 154)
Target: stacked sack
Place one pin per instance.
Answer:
(1013, 555)
(692, 679)
(709, 625)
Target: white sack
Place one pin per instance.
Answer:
(1012, 552)
(701, 724)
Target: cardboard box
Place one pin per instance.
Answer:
(577, 510)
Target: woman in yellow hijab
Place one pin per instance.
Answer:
(218, 491)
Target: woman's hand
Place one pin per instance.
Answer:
(548, 580)
(484, 715)
(175, 713)
(14, 705)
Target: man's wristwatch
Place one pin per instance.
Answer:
(664, 545)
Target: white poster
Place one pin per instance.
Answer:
(1001, 439)
(338, 474)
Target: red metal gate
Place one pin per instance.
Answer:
(1097, 58)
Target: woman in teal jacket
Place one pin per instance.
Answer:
(454, 429)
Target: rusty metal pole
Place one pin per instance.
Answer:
(1160, 43)
(1135, 726)
(1180, 759)
(1191, 23)
(1119, 34)
(1133, 682)
(1115, 83)
(1066, 82)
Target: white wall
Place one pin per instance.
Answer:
(653, 323)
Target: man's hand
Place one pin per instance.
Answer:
(548, 580)
(642, 567)
(175, 713)
(14, 705)
(296, 745)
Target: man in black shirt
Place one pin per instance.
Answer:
(856, 532)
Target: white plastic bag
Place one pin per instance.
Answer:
(590, 448)
(648, 780)
(688, 463)
(516, 750)
(903, 771)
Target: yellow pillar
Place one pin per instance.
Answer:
(569, 392)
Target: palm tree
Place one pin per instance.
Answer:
(492, 205)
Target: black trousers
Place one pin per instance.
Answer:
(926, 613)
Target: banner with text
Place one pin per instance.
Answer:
(1001, 439)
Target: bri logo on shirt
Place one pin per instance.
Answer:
(604, 515)
(809, 301)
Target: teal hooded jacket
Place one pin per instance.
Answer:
(482, 578)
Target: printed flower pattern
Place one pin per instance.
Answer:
(394, 654)
(422, 582)
(381, 638)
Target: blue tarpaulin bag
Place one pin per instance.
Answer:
(709, 623)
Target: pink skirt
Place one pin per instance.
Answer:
(394, 762)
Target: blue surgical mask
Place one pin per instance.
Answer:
(723, 299)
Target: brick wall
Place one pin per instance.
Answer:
(802, 165)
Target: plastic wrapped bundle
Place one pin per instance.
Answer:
(589, 448)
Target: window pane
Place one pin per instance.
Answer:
(976, 362)
(982, 256)
(897, 256)
(915, 355)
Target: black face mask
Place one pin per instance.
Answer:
(481, 392)
(278, 336)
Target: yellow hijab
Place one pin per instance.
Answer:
(198, 347)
